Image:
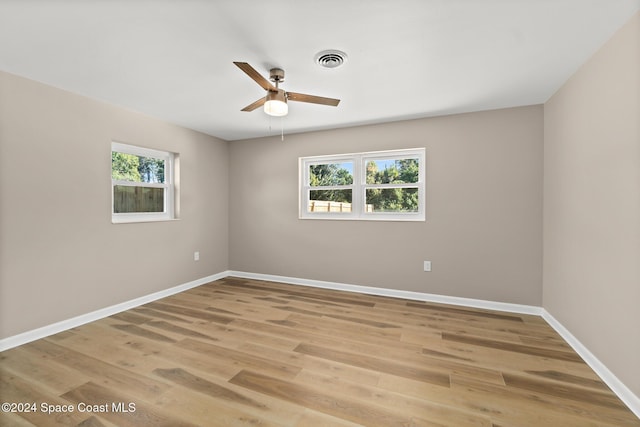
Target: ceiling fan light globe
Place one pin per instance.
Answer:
(276, 103)
(276, 108)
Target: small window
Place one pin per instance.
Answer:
(142, 184)
(384, 185)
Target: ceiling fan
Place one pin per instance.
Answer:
(275, 103)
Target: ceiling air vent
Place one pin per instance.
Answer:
(331, 58)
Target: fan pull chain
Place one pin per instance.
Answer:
(281, 127)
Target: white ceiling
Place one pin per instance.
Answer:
(173, 59)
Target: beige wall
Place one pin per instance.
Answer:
(592, 205)
(60, 256)
(483, 231)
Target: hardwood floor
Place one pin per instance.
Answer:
(246, 352)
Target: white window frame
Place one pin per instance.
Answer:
(168, 185)
(359, 186)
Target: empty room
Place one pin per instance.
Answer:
(337, 213)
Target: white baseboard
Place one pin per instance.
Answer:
(67, 324)
(617, 386)
(395, 293)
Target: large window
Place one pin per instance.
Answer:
(381, 185)
(142, 184)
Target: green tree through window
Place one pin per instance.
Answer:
(392, 199)
(124, 167)
(326, 175)
(129, 167)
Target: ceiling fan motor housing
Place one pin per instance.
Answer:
(276, 75)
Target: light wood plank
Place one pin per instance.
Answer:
(317, 399)
(143, 415)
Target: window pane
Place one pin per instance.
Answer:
(391, 200)
(329, 201)
(137, 199)
(390, 171)
(331, 174)
(129, 167)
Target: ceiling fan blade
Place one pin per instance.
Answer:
(302, 97)
(256, 76)
(255, 105)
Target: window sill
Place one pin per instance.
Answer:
(139, 220)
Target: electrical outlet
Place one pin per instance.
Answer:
(427, 266)
(196, 256)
